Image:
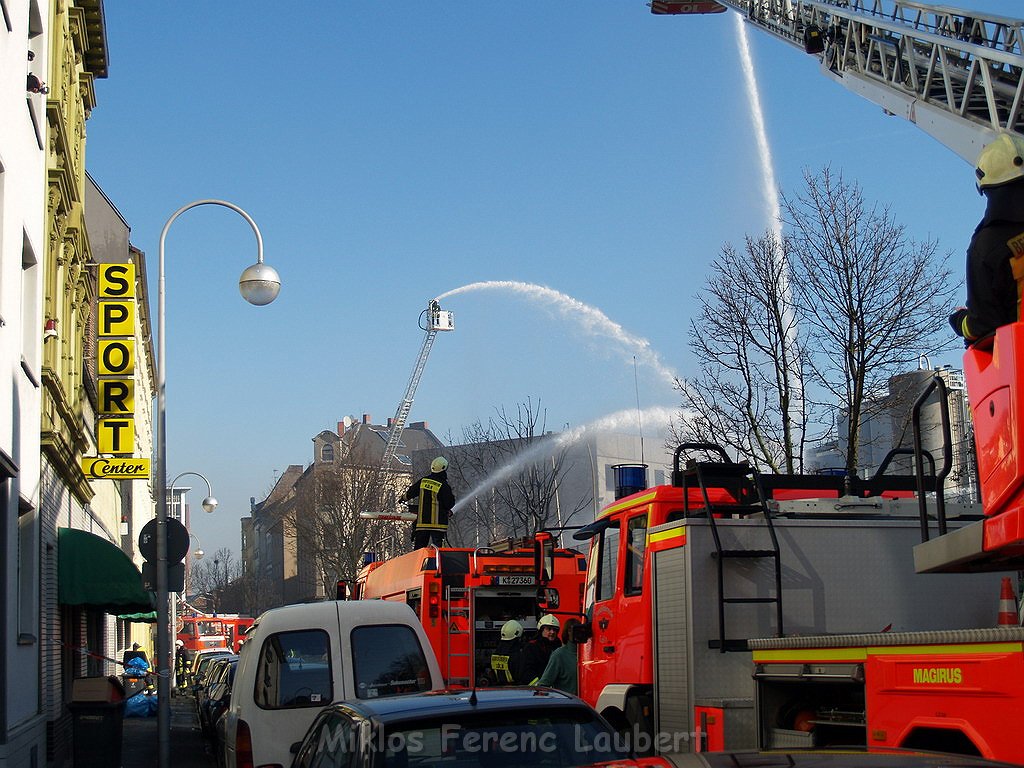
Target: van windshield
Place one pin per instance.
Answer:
(388, 660)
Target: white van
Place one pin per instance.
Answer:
(299, 658)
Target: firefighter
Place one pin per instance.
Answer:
(507, 659)
(995, 257)
(431, 498)
(540, 648)
(560, 672)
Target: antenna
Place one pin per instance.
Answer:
(639, 420)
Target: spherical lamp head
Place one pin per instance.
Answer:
(259, 284)
(209, 504)
(198, 554)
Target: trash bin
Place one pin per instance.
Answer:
(97, 711)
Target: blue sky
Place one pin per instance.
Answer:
(391, 152)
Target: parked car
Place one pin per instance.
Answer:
(201, 665)
(501, 727)
(299, 658)
(210, 698)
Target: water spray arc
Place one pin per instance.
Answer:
(592, 320)
(774, 209)
(611, 422)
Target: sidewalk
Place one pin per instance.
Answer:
(188, 747)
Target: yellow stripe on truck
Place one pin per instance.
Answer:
(860, 654)
(675, 533)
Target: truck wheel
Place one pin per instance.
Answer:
(639, 716)
(940, 740)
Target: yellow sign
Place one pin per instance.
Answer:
(115, 469)
(117, 281)
(117, 397)
(117, 318)
(117, 357)
(116, 435)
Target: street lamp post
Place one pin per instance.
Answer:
(259, 285)
(209, 504)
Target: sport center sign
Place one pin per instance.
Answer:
(115, 366)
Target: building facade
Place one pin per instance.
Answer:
(25, 44)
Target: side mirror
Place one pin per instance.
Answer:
(543, 557)
(582, 633)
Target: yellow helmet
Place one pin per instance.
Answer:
(440, 464)
(547, 620)
(511, 630)
(1001, 161)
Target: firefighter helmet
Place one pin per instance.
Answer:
(511, 630)
(1000, 162)
(547, 620)
(440, 464)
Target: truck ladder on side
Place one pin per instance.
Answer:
(747, 499)
(459, 637)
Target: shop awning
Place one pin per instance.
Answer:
(93, 572)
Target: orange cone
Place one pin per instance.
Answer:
(1007, 605)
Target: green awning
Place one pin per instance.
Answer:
(139, 618)
(93, 572)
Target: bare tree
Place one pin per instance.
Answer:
(507, 475)
(874, 300)
(330, 532)
(212, 578)
(748, 395)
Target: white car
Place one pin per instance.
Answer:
(298, 659)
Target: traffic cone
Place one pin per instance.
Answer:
(1007, 605)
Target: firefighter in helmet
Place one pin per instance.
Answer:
(540, 648)
(507, 659)
(431, 499)
(995, 257)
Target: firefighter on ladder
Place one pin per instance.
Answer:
(995, 257)
(431, 499)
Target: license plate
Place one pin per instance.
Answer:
(515, 581)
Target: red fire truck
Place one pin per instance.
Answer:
(464, 595)
(683, 579)
(224, 630)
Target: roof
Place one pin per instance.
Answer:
(455, 703)
(348, 611)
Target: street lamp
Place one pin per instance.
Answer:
(259, 285)
(209, 504)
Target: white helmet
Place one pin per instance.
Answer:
(511, 630)
(1000, 162)
(440, 464)
(547, 620)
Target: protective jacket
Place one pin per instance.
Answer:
(535, 658)
(431, 498)
(507, 662)
(995, 264)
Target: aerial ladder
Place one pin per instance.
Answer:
(955, 74)
(432, 320)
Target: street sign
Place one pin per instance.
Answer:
(124, 468)
(175, 577)
(177, 541)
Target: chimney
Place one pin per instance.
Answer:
(341, 428)
(391, 422)
(367, 419)
(418, 425)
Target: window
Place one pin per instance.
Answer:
(327, 452)
(388, 660)
(636, 544)
(330, 743)
(608, 565)
(294, 670)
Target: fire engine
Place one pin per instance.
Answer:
(464, 595)
(684, 580)
(225, 630)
